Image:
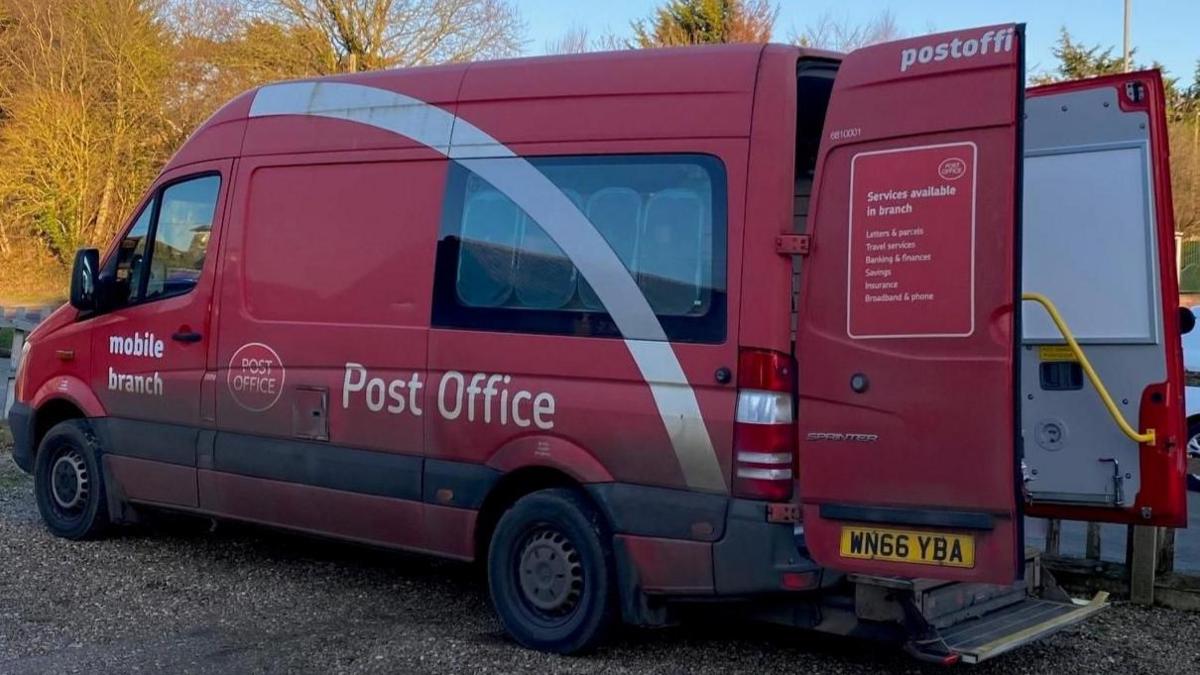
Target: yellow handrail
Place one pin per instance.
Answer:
(1148, 436)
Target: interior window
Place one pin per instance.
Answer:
(663, 216)
(489, 237)
(617, 214)
(671, 255)
(545, 277)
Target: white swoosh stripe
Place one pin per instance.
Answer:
(380, 108)
(570, 229)
(680, 412)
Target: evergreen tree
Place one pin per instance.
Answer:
(1077, 61)
(691, 22)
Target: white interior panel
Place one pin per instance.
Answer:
(1088, 244)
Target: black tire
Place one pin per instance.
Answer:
(68, 483)
(1193, 451)
(558, 543)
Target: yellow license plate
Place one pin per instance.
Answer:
(908, 546)
(1056, 353)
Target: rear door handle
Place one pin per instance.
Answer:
(186, 336)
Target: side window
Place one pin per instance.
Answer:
(181, 236)
(163, 252)
(128, 264)
(663, 216)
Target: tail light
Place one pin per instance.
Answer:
(764, 435)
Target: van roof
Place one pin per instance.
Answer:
(678, 71)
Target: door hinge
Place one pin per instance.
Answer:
(792, 244)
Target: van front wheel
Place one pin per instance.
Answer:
(550, 572)
(68, 484)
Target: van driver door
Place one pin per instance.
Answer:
(150, 344)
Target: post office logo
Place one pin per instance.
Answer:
(991, 42)
(256, 377)
(952, 168)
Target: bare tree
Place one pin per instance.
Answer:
(223, 47)
(609, 42)
(754, 21)
(81, 87)
(372, 34)
(578, 40)
(840, 35)
(575, 40)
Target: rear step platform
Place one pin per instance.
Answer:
(952, 621)
(975, 640)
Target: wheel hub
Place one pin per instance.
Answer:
(550, 573)
(69, 482)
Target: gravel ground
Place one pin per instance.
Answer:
(181, 598)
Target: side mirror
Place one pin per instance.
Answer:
(85, 277)
(1187, 320)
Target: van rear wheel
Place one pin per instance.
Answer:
(68, 484)
(550, 572)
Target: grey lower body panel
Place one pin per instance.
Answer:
(21, 423)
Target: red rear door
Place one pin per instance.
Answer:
(907, 413)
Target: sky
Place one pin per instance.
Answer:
(1162, 30)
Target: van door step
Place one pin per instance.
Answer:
(1031, 619)
(944, 603)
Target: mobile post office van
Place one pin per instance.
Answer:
(749, 323)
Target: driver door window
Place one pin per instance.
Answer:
(126, 268)
(162, 254)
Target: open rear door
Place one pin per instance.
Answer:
(907, 339)
(1099, 244)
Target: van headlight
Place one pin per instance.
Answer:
(22, 370)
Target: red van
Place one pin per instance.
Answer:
(643, 328)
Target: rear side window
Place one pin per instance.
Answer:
(662, 215)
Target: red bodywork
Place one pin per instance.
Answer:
(297, 405)
(321, 296)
